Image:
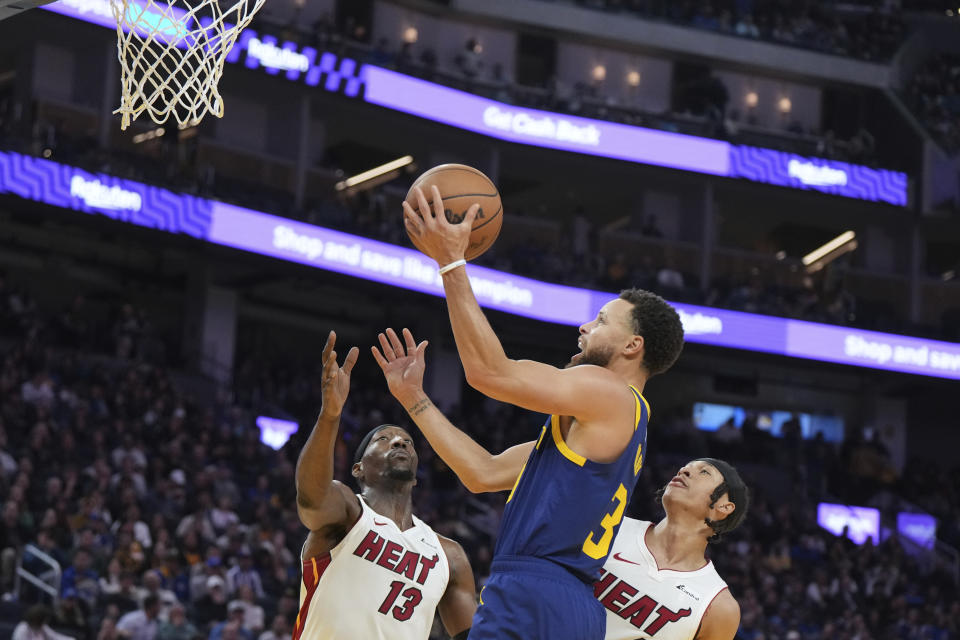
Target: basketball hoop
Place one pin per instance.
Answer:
(172, 55)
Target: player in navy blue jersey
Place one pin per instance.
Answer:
(571, 484)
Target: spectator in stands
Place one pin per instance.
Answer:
(212, 606)
(143, 623)
(669, 280)
(8, 466)
(126, 597)
(153, 587)
(253, 617)
(279, 630)
(232, 627)
(80, 576)
(38, 390)
(746, 27)
(469, 61)
(177, 627)
(72, 615)
(34, 626)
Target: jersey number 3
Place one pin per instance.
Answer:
(599, 549)
(403, 611)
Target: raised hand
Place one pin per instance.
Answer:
(335, 380)
(443, 240)
(403, 367)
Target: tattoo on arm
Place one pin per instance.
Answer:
(419, 407)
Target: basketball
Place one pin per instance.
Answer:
(460, 187)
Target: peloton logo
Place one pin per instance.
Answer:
(697, 324)
(272, 56)
(816, 176)
(99, 196)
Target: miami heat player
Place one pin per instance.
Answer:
(656, 583)
(371, 569)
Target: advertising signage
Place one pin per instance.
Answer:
(400, 92)
(228, 225)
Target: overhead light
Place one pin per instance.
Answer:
(785, 105)
(948, 275)
(633, 78)
(148, 135)
(375, 173)
(599, 73)
(821, 256)
(751, 99)
(410, 35)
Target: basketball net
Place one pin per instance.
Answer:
(171, 57)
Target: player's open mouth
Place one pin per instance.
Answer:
(677, 481)
(399, 453)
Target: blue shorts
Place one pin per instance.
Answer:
(534, 599)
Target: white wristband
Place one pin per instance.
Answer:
(452, 266)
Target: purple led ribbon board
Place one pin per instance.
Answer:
(829, 176)
(228, 225)
(99, 12)
(861, 522)
(387, 263)
(919, 527)
(543, 128)
(71, 188)
(633, 144)
(456, 108)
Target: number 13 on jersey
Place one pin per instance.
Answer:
(599, 549)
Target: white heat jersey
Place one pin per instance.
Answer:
(643, 601)
(378, 583)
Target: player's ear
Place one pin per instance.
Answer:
(356, 470)
(724, 508)
(634, 346)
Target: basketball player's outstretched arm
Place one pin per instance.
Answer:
(587, 392)
(478, 469)
(459, 601)
(322, 501)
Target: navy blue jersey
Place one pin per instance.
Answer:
(567, 509)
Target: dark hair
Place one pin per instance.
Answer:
(659, 323)
(150, 601)
(737, 493)
(36, 616)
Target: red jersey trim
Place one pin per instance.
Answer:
(312, 572)
(643, 539)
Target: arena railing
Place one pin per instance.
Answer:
(48, 582)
